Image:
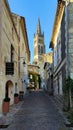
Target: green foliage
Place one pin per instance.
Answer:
(34, 78)
(15, 94)
(68, 84)
(70, 116)
(7, 99)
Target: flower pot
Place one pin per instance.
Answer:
(5, 105)
(16, 98)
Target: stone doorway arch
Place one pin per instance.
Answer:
(9, 91)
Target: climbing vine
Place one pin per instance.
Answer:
(68, 84)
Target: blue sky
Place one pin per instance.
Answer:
(32, 10)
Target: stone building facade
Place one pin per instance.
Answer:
(48, 77)
(48, 71)
(39, 46)
(48, 57)
(9, 41)
(24, 52)
(9, 55)
(62, 45)
(39, 50)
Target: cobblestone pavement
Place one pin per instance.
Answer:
(37, 112)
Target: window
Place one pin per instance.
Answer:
(22, 46)
(39, 49)
(59, 52)
(55, 57)
(12, 53)
(12, 33)
(15, 87)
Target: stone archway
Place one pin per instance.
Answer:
(9, 91)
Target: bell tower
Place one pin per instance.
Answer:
(39, 47)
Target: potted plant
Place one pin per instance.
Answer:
(67, 93)
(5, 105)
(16, 98)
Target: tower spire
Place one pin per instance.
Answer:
(38, 30)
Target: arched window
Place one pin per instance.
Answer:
(39, 49)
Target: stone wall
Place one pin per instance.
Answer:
(70, 35)
(8, 37)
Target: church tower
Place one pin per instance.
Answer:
(39, 47)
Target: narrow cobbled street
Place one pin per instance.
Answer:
(37, 113)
